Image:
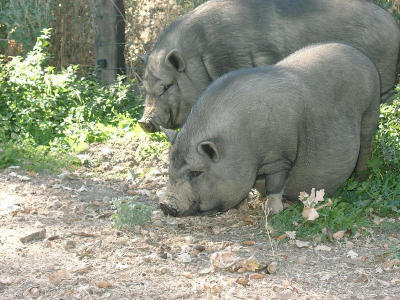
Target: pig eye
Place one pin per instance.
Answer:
(194, 174)
(166, 87)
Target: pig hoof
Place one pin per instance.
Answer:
(274, 204)
(167, 210)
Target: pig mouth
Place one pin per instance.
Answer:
(151, 125)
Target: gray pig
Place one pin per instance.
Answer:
(225, 35)
(306, 122)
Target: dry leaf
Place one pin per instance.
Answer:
(291, 234)
(223, 259)
(281, 237)
(338, 235)
(58, 276)
(103, 284)
(248, 243)
(250, 264)
(242, 281)
(310, 213)
(302, 244)
(256, 276)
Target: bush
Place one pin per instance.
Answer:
(49, 108)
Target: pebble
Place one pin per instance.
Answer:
(302, 260)
(69, 245)
(189, 239)
(158, 223)
(199, 248)
(35, 236)
(185, 258)
(163, 270)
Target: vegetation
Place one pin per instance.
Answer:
(45, 114)
(129, 213)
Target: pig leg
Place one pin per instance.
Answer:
(274, 186)
(368, 128)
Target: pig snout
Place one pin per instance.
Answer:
(168, 210)
(147, 125)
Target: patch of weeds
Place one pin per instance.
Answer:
(355, 203)
(130, 212)
(38, 159)
(149, 144)
(52, 112)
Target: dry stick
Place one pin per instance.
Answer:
(266, 211)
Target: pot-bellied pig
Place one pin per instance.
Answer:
(225, 35)
(306, 122)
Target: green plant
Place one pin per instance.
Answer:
(130, 213)
(58, 111)
(23, 20)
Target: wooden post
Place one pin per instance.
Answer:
(109, 39)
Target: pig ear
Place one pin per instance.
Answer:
(143, 57)
(209, 149)
(175, 60)
(171, 134)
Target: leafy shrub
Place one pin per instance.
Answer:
(50, 108)
(130, 213)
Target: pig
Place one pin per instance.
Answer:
(225, 35)
(306, 122)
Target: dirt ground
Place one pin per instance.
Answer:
(229, 256)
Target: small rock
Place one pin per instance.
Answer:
(199, 248)
(302, 260)
(36, 236)
(14, 167)
(189, 239)
(163, 270)
(164, 255)
(158, 223)
(185, 258)
(349, 245)
(272, 267)
(69, 245)
(352, 254)
(322, 248)
(302, 244)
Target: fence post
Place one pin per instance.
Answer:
(109, 39)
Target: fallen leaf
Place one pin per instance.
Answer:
(249, 220)
(223, 259)
(103, 284)
(301, 244)
(256, 276)
(338, 235)
(58, 276)
(291, 234)
(310, 213)
(248, 243)
(322, 248)
(281, 237)
(250, 264)
(242, 281)
(83, 270)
